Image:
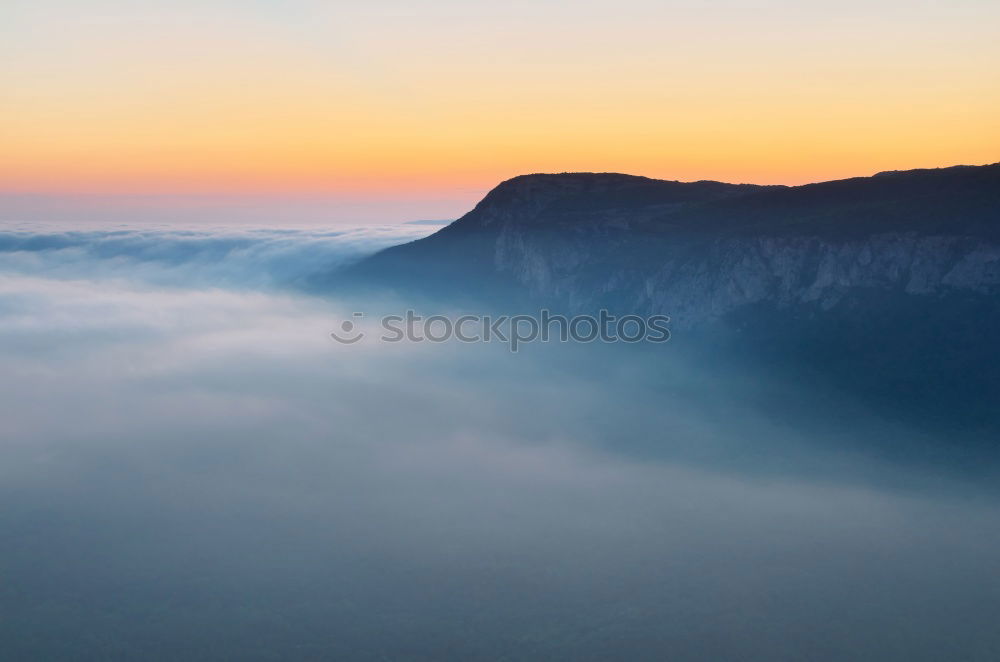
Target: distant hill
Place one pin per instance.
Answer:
(584, 239)
(888, 286)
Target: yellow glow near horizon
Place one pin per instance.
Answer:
(441, 96)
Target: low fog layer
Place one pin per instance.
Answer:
(190, 468)
(232, 256)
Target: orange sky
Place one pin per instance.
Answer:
(441, 98)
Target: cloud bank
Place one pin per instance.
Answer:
(208, 257)
(190, 468)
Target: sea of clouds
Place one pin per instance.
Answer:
(191, 469)
(231, 256)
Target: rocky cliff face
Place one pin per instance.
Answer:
(699, 251)
(887, 287)
(702, 250)
(698, 282)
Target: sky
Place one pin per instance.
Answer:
(408, 110)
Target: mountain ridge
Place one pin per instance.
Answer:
(885, 287)
(537, 233)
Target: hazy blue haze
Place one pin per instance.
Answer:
(191, 469)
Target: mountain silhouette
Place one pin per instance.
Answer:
(886, 286)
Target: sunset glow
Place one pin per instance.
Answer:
(442, 99)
